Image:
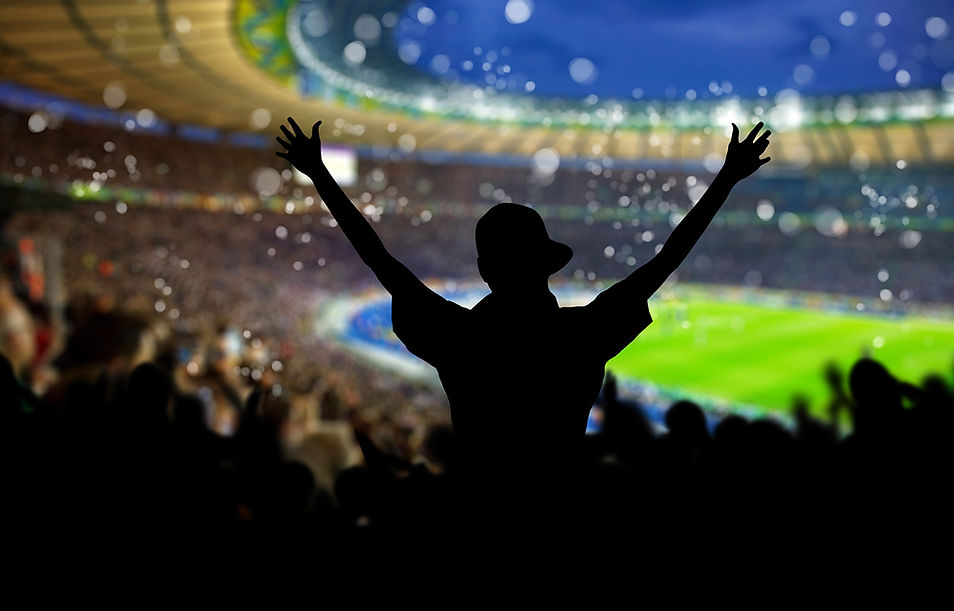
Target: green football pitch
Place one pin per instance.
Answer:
(763, 355)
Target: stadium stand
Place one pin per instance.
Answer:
(162, 381)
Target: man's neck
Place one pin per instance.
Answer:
(535, 298)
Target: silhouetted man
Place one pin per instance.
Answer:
(520, 372)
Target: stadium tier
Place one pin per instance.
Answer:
(233, 66)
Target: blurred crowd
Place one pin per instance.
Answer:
(886, 227)
(119, 454)
(161, 374)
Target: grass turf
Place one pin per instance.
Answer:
(764, 355)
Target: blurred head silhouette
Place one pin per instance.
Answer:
(872, 384)
(514, 249)
(685, 420)
(876, 394)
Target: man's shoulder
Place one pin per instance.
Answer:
(425, 325)
(425, 297)
(412, 315)
(609, 325)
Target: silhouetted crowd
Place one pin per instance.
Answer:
(119, 453)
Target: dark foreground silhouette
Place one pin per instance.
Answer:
(120, 466)
(520, 372)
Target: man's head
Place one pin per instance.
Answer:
(513, 246)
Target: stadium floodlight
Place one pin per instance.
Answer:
(727, 113)
(876, 113)
(788, 112)
(341, 161)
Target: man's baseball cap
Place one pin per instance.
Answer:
(515, 233)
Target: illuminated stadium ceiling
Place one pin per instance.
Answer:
(832, 78)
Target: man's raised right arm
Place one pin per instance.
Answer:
(614, 304)
(741, 160)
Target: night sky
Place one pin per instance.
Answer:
(689, 49)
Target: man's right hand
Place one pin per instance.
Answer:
(301, 151)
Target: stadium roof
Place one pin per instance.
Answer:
(200, 62)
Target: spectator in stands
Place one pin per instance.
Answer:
(17, 340)
(510, 411)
